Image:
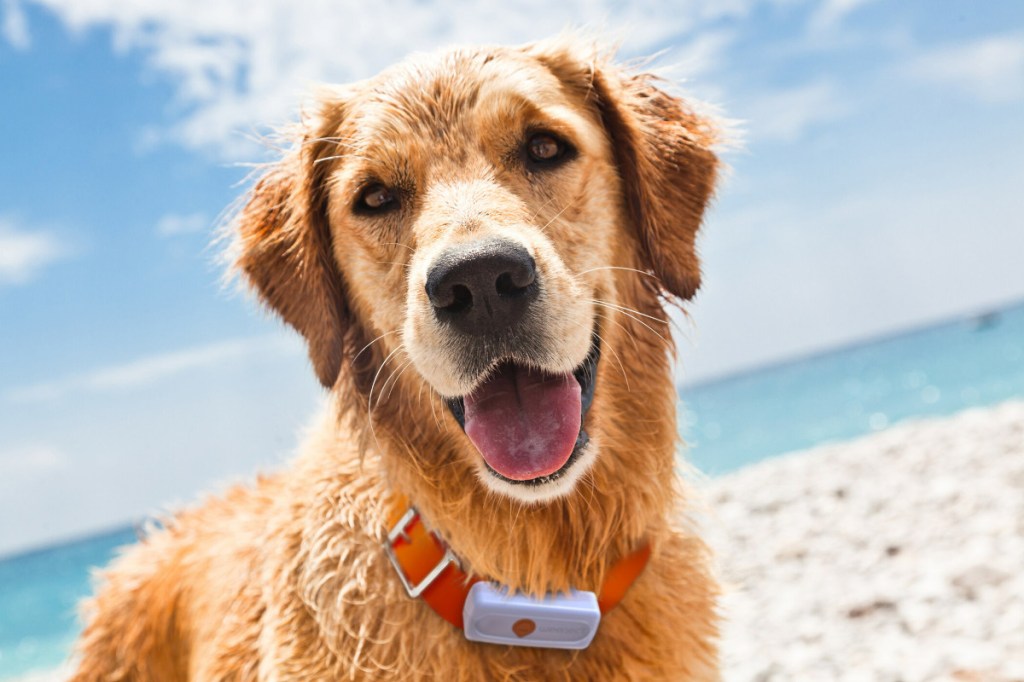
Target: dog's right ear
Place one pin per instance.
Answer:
(283, 249)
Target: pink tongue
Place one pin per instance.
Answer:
(524, 422)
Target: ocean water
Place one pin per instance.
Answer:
(847, 393)
(727, 423)
(39, 594)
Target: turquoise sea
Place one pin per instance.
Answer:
(836, 396)
(728, 423)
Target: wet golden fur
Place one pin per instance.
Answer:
(287, 579)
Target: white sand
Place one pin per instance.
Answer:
(898, 556)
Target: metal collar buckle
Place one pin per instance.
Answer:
(399, 531)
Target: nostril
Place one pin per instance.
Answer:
(507, 285)
(519, 276)
(462, 299)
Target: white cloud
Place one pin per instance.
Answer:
(154, 368)
(830, 14)
(23, 254)
(239, 64)
(785, 115)
(172, 224)
(700, 56)
(991, 68)
(15, 27)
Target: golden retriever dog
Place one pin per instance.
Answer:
(476, 246)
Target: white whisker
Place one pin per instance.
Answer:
(373, 384)
(635, 319)
(628, 310)
(393, 331)
(618, 267)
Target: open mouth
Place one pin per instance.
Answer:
(528, 424)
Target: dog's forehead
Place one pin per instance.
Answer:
(431, 97)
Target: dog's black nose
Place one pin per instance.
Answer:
(482, 287)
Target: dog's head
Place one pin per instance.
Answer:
(477, 225)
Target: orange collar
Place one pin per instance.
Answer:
(429, 569)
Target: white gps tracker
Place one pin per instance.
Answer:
(558, 621)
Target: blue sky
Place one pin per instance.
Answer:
(878, 187)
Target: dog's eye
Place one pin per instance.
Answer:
(545, 149)
(376, 197)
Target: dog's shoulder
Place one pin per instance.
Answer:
(146, 617)
(202, 587)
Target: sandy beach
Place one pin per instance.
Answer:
(898, 556)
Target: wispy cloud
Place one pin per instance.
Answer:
(153, 368)
(699, 56)
(991, 69)
(831, 13)
(237, 64)
(14, 27)
(175, 224)
(23, 253)
(786, 114)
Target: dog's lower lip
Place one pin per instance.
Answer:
(586, 375)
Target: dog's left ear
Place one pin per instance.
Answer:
(283, 245)
(663, 150)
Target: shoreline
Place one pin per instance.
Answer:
(893, 556)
